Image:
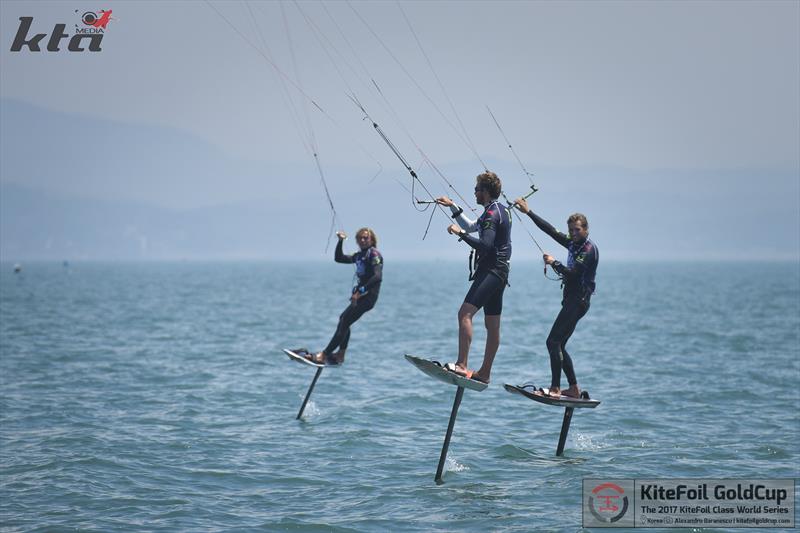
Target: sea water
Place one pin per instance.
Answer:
(155, 396)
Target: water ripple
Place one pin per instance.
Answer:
(155, 397)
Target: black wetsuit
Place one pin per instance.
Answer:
(493, 249)
(578, 281)
(369, 270)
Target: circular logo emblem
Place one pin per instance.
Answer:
(89, 18)
(608, 502)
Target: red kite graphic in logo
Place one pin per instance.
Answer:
(90, 18)
(102, 22)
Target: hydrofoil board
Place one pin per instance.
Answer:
(437, 371)
(532, 393)
(298, 355)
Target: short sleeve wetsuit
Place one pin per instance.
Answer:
(493, 248)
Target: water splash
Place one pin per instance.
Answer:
(451, 465)
(585, 442)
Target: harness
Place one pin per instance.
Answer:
(571, 262)
(361, 263)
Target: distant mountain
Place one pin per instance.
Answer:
(73, 186)
(76, 187)
(98, 158)
(37, 225)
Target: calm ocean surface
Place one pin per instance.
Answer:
(155, 397)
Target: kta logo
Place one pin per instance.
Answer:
(92, 27)
(608, 502)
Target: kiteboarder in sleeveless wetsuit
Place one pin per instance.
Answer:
(369, 271)
(578, 281)
(493, 249)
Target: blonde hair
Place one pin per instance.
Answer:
(372, 236)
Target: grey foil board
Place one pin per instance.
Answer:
(435, 370)
(563, 401)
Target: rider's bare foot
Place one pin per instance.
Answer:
(338, 356)
(457, 368)
(478, 376)
(573, 391)
(466, 372)
(316, 358)
(470, 374)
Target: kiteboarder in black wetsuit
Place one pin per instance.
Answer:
(578, 280)
(493, 249)
(369, 271)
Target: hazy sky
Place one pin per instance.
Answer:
(628, 92)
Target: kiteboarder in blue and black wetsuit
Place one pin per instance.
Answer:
(369, 271)
(493, 249)
(578, 280)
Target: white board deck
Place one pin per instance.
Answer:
(435, 370)
(561, 401)
(300, 359)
